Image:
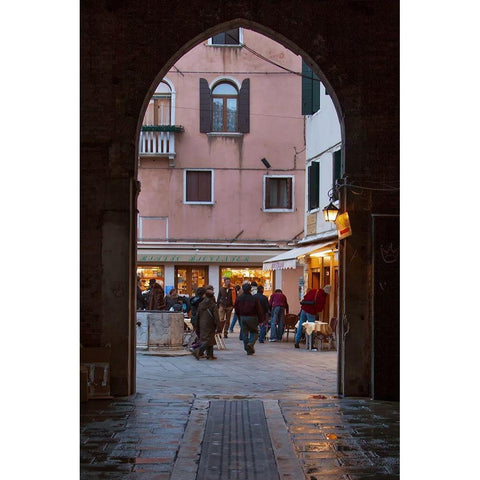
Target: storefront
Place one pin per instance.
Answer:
(187, 269)
(317, 266)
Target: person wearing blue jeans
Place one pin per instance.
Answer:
(312, 303)
(304, 317)
(250, 313)
(279, 306)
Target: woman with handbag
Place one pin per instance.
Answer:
(312, 303)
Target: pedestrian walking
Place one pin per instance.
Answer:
(312, 303)
(279, 307)
(266, 308)
(225, 302)
(235, 316)
(209, 324)
(250, 312)
(194, 303)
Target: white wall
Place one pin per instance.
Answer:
(323, 137)
(322, 128)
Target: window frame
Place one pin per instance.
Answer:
(228, 45)
(292, 194)
(225, 98)
(212, 189)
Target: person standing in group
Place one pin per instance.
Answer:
(151, 283)
(173, 300)
(265, 307)
(250, 313)
(156, 299)
(312, 303)
(209, 324)
(140, 297)
(225, 301)
(279, 307)
(235, 316)
(194, 303)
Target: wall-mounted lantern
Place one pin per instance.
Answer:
(330, 212)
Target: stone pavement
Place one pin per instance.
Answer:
(158, 433)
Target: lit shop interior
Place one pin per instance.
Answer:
(189, 278)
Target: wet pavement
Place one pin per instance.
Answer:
(159, 433)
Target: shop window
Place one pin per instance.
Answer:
(314, 186)
(278, 193)
(198, 186)
(147, 272)
(230, 37)
(239, 275)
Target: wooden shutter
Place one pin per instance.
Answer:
(313, 186)
(244, 107)
(337, 170)
(310, 91)
(205, 107)
(199, 186)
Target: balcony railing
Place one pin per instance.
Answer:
(158, 140)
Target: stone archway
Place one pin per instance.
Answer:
(354, 49)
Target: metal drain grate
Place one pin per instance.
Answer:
(237, 443)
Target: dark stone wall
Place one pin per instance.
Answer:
(127, 46)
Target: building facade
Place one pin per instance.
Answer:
(315, 256)
(222, 165)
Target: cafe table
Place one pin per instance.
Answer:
(310, 328)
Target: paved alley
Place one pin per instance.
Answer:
(160, 432)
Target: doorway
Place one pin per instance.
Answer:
(189, 278)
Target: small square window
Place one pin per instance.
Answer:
(278, 193)
(199, 186)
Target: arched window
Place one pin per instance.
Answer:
(224, 107)
(159, 109)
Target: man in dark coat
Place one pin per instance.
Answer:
(209, 324)
(250, 313)
(225, 301)
(195, 302)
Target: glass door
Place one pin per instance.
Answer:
(188, 279)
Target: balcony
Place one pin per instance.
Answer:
(159, 141)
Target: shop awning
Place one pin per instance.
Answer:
(289, 259)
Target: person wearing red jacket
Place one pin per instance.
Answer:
(312, 303)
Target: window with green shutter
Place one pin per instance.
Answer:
(314, 186)
(337, 171)
(310, 91)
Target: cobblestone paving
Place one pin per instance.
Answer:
(333, 438)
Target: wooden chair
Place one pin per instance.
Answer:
(290, 321)
(331, 338)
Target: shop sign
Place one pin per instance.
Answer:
(194, 258)
(343, 226)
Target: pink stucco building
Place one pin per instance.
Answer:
(222, 165)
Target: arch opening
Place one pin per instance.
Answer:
(282, 189)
